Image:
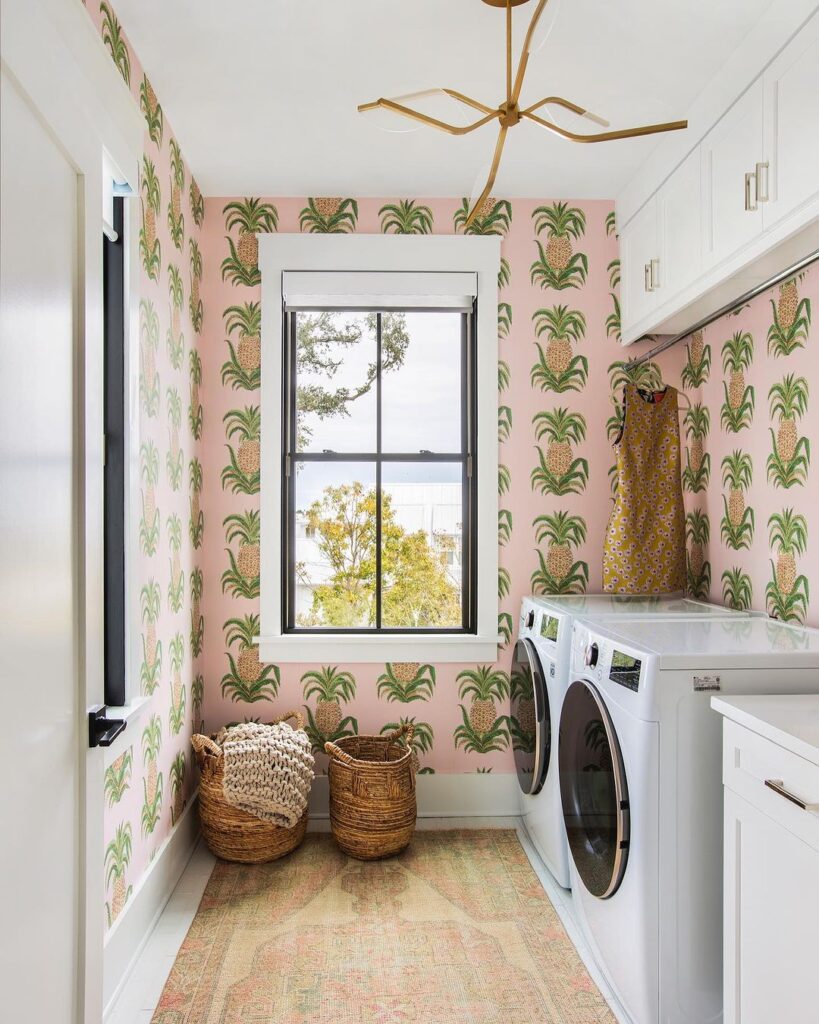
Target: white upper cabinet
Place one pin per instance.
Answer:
(730, 154)
(639, 261)
(680, 217)
(791, 117)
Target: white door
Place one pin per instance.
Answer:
(639, 245)
(730, 152)
(39, 698)
(791, 116)
(680, 209)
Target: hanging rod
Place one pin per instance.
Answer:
(727, 308)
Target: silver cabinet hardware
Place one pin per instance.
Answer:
(654, 266)
(778, 786)
(750, 191)
(762, 188)
(647, 276)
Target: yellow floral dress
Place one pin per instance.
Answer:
(644, 550)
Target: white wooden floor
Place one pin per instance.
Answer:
(141, 992)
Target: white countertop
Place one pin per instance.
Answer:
(790, 720)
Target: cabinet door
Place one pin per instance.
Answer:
(680, 213)
(729, 152)
(771, 919)
(639, 245)
(791, 87)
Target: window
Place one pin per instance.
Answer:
(379, 484)
(379, 456)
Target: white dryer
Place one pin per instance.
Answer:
(540, 675)
(641, 787)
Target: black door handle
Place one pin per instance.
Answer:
(103, 731)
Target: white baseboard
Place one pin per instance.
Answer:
(131, 930)
(443, 795)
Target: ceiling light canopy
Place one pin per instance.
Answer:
(398, 114)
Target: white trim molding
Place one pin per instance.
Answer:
(413, 254)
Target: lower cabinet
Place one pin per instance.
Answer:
(771, 892)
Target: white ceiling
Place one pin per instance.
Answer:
(262, 94)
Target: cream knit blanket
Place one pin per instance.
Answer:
(268, 770)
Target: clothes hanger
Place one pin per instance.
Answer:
(686, 405)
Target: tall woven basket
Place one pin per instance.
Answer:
(372, 793)
(230, 832)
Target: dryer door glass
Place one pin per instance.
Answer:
(530, 720)
(593, 790)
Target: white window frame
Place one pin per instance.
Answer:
(392, 253)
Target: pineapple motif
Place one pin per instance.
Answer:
(176, 715)
(247, 679)
(149, 521)
(422, 741)
(331, 687)
(242, 578)
(195, 411)
(737, 591)
(406, 217)
(197, 203)
(178, 772)
(558, 572)
(698, 364)
(174, 339)
(243, 369)
(482, 731)
(149, 247)
(558, 266)
(118, 777)
(251, 217)
(149, 105)
(787, 593)
(329, 215)
(494, 217)
(117, 860)
(195, 305)
(737, 528)
(558, 368)
(197, 619)
(197, 699)
(613, 320)
(114, 39)
(196, 527)
(152, 782)
(406, 681)
(738, 407)
(176, 586)
(697, 532)
(150, 605)
(557, 472)
(522, 721)
(176, 219)
(174, 460)
(697, 472)
(790, 456)
(242, 475)
(791, 320)
(148, 346)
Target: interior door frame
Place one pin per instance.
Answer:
(88, 109)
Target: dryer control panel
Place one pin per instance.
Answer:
(625, 669)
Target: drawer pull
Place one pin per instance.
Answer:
(778, 786)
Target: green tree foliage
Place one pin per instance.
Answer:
(416, 590)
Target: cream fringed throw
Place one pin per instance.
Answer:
(268, 770)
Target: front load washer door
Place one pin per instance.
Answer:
(531, 722)
(593, 790)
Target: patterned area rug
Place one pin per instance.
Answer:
(456, 930)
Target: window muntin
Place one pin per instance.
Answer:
(379, 538)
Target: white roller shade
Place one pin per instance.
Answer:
(378, 290)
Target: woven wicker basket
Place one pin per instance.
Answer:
(372, 793)
(231, 833)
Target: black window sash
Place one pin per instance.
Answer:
(466, 456)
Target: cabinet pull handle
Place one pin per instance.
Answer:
(761, 176)
(654, 267)
(647, 273)
(750, 180)
(778, 786)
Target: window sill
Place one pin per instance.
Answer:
(131, 713)
(337, 647)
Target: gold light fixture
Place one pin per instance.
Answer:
(510, 112)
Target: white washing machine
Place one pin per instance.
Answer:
(540, 675)
(641, 786)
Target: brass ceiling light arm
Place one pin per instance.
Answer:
(493, 173)
(432, 122)
(560, 101)
(469, 101)
(524, 55)
(508, 51)
(621, 133)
